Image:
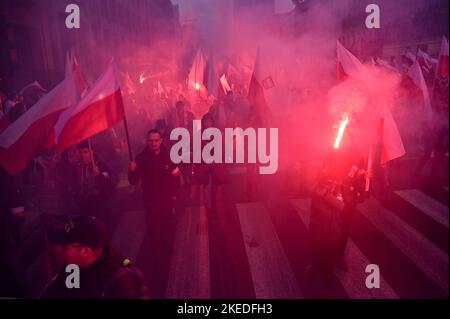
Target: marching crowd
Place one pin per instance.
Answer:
(86, 178)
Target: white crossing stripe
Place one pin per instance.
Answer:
(130, 234)
(426, 204)
(270, 269)
(431, 260)
(189, 276)
(354, 280)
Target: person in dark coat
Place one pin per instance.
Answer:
(159, 178)
(103, 273)
(340, 187)
(94, 188)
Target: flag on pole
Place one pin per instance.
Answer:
(416, 76)
(391, 141)
(129, 86)
(224, 83)
(197, 74)
(73, 66)
(410, 57)
(160, 89)
(260, 82)
(442, 67)
(426, 61)
(33, 86)
(386, 65)
(24, 138)
(347, 63)
(99, 109)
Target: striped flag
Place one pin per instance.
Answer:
(28, 135)
(99, 109)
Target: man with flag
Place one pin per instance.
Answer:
(99, 109)
(344, 179)
(24, 138)
(93, 187)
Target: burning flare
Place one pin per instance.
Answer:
(341, 131)
(197, 86)
(142, 78)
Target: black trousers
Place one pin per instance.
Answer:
(347, 217)
(160, 223)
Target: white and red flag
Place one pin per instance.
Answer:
(442, 67)
(224, 83)
(426, 61)
(347, 63)
(99, 109)
(197, 74)
(29, 134)
(386, 65)
(260, 83)
(129, 86)
(160, 89)
(72, 66)
(416, 76)
(410, 57)
(391, 141)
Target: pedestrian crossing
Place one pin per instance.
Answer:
(430, 259)
(353, 281)
(426, 204)
(272, 273)
(189, 275)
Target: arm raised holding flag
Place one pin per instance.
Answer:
(100, 109)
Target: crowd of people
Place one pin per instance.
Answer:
(85, 179)
(86, 176)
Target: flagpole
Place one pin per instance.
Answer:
(92, 153)
(130, 153)
(369, 167)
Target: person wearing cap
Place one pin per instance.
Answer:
(104, 274)
(160, 182)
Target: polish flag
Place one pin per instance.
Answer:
(160, 89)
(411, 57)
(442, 68)
(25, 137)
(99, 109)
(386, 65)
(391, 141)
(211, 77)
(197, 75)
(130, 88)
(72, 66)
(416, 76)
(347, 63)
(224, 83)
(425, 59)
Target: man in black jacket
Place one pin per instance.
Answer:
(160, 183)
(102, 272)
(94, 187)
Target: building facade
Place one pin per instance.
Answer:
(36, 39)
